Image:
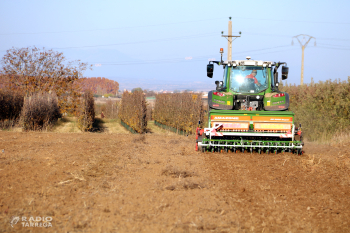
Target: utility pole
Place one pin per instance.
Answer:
(303, 46)
(229, 39)
(229, 47)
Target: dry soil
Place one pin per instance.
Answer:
(103, 182)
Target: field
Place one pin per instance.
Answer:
(113, 181)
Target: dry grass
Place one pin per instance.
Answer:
(340, 138)
(153, 129)
(66, 125)
(113, 126)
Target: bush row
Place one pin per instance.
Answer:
(181, 111)
(322, 108)
(133, 111)
(39, 111)
(86, 112)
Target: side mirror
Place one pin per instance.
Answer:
(285, 71)
(217, 83)
(275, 77)
(210, 70)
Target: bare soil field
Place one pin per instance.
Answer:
(119, 182)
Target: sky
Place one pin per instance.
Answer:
(166, 45)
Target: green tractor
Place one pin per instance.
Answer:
(247, 112)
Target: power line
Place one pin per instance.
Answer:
(346, 46)
(145, 41)
(264, 34)
(109, 29)
(323, 47)
(292, 21)
(264, 49)
(164, 24)
(333, 39)
(274, 51)
(288, 36)
(140, 42)
(176, 60)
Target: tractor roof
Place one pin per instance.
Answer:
(249, 63)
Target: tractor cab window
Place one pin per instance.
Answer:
(248, 79)
(224, 79)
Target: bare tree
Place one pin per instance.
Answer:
(40, 70)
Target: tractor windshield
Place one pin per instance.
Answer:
(248, 79)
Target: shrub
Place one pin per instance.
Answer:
(181, 111)
(39, 111)
(11, 104)
(86, 112)
(133, 110)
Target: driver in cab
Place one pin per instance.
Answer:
(252, 76)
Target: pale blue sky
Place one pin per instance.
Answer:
(145, 43)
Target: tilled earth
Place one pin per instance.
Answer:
(97, 182)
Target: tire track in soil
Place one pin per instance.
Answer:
(284, 192)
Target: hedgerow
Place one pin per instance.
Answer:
(322, 108)
(133, 111)
(86, 112)
(181, 111)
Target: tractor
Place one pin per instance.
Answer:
(247, 112)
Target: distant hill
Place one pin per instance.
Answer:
(99, 86)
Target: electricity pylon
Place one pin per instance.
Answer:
(303, 46)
